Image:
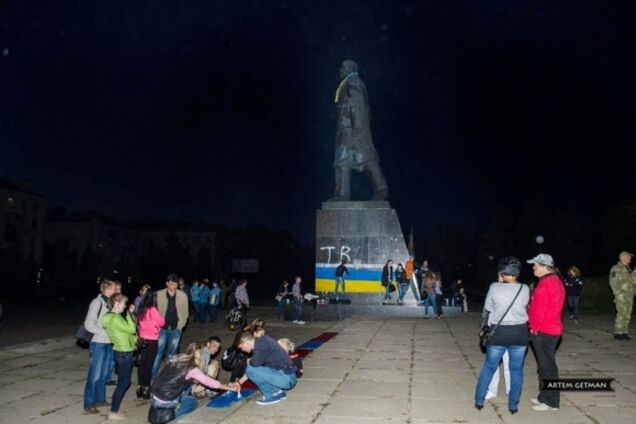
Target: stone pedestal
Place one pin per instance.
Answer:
(366, 234)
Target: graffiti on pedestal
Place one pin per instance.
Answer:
(344, 254)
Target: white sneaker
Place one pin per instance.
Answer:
(490, 395)
(544, 407)
(295, 321)
(300, 322)
(535, 401)
(116, 416)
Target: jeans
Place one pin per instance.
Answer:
(183, 405)
(269, 380)
(340, 281)
(430, 300)
(491, 363)
(387, 294)
(298, 306)
(280, 308)
(544, 347)
(212, 312)
(187, 404)
(493, 387)
(124, 361)
(403, 289)
(168, 342)
(101, 354)
(202, 309)
(573, 306)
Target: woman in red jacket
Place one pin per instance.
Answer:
(546, 328)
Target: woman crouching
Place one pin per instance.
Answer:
(169, 399)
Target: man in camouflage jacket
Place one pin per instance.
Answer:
(621, 280)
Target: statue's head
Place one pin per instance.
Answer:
(348, 66)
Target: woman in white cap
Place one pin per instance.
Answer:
(546, 327)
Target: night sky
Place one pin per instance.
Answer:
(222, 111)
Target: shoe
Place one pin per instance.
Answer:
(268, 400)
(490, 395)
(116, 416)
(300, 322)
(104, 403)
(544, 407)
(575, 321)
(619, 337)
(91, 410)
(111, 383)
(145, 392)
(479, 407)
(282, 394)
(535, 401)
(626, 337)
(513, 411)
(295, 321)
(139, 392)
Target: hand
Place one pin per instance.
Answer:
(131, 308)
(234, 387)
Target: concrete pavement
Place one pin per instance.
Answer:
(375, 371)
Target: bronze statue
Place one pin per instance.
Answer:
(354, 144)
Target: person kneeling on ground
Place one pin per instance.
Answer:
(168, 389)
(290, 348)
(269, 368)
(204, 359)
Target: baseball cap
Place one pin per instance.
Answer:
(624, 253)
(543, 259)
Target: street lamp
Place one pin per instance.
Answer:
(539, 240)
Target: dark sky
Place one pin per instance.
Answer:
(223, 111)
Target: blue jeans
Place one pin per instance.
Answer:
(517, 355)
(269, 380)
(212, 312)
(387, 293)
(340, 281)
(430, 300)
(202, 309)
(187, 404)
(280, 307)
(183, 405)
(124, 361)
(169, 338)
(403, 289)
(101, 354)
(298, 306)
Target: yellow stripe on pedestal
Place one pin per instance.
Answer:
(355, 286)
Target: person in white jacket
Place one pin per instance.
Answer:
(101, 350)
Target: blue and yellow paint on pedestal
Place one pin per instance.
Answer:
(361, 279)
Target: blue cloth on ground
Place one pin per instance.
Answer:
(228, 398)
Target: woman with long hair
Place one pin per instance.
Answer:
(150, 323)
(169, 388)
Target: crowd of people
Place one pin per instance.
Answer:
(425, 284)
(140, 333)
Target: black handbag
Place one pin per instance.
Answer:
(158, 415)
(84, 336)
(488, 331)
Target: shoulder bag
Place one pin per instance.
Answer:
(487, 332)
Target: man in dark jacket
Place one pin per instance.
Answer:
(269, 368)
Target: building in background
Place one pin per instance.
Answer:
(22, 220)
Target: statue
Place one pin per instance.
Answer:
(354, 144)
